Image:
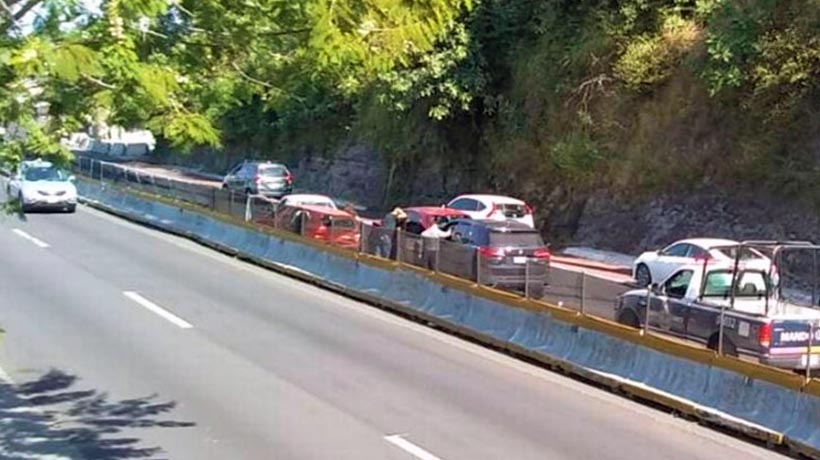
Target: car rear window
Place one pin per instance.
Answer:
(516, 240)
(745, 253)
(343, 223)
(273, 171)
(513, 211)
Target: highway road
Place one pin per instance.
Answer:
(124, 342)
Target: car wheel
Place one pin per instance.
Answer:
(629, 318)
(643, 276)
(248, 191)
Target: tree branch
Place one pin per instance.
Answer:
(249, 78)
(99, 82)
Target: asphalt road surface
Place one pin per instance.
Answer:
(122, 342)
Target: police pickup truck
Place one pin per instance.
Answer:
(695, 300)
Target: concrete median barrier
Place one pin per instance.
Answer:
(758, 401)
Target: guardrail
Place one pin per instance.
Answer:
(775, 406)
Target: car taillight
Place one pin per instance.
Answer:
(764, 336)
(289, 178)
(491, 252)
(542, 254)
(257, 179)
(529, 209)
(705, 258)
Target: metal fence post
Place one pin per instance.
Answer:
(399, 244)
(527, 279)
(230, 203)
(478, 267)
(360, 246)
(583, 290)
(437, 256)
(720, 331)
(248, 199)
(648, 310)
(808, 351)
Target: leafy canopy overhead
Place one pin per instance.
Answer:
(179, 66)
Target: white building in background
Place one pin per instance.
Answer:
(113, 141)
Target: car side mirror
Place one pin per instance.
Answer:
(656, 289)
(72, 178)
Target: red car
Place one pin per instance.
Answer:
(331, 226)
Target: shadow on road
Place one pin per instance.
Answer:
(48, 418)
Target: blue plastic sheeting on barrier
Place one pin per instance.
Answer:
(771, 406)
(806, 421)
(756, 400)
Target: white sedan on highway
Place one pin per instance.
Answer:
(655, 266)
(493, 207)
(41, 185)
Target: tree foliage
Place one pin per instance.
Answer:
(182, 67)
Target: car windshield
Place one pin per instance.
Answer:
(745, 253)
(750, 283)
(516, 240)
(48, 173)
(273, 171)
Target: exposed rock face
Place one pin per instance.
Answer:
(603, 220)
(633, 227)
(356, 174)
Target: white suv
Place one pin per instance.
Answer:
(493, 207)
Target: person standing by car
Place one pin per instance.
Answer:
(438, 229)
(400, 219)
(431, 238)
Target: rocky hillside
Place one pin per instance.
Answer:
(626, 124)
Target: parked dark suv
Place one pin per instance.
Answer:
(499, 254)
(260, 178)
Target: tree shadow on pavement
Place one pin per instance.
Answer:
(47, 418)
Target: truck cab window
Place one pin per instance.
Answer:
(678, 284)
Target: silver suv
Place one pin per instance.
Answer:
(260, 178)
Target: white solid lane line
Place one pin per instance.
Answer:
(170, 317)
(412, 449)
(37, 242)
